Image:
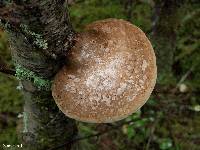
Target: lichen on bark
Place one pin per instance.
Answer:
(25, 74)
(37, 38)
(31, 25)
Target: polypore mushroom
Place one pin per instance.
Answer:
(111, 73)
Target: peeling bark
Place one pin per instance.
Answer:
(40, 48)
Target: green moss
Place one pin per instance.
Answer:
(25, 74)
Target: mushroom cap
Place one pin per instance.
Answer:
(110, 74)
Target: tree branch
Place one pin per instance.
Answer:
(4, 69)
(7, 71)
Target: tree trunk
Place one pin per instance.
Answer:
(40, 35)
(165, 24)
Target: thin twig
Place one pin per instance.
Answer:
(7, 71)
(151, 134)
(52, 120)
(93, 135)
(184, 77)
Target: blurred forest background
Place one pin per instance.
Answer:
(171, 118)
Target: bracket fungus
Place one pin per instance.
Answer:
(110, 75)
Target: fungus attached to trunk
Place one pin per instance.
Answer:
(111, 73)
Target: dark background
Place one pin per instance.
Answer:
(171, 118)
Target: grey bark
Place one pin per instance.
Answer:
(44, 125)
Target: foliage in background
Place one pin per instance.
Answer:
(102, 9)
(188, 48)
(168, 121)
(10, 98)
(186, 56)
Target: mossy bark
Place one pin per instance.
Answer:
(165, 24)
(40, 48)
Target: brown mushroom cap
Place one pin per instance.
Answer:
(111, 73)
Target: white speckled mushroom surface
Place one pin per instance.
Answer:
(111, 73)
